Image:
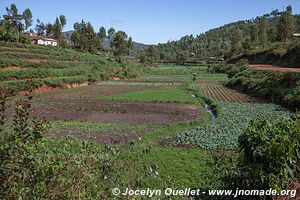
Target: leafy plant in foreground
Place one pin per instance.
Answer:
(270, 155)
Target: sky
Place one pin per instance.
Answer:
(151, 21)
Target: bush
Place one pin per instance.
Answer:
(270, 155)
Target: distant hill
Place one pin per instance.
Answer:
(106, 42)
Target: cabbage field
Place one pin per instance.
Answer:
(232, 121)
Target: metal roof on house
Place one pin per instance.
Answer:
(48, 39)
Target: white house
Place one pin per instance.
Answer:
(47, 41)
(296, 35)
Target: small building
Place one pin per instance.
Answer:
(47, 41)
(37, 40)
(296, 35)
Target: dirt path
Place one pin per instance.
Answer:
(274, 68)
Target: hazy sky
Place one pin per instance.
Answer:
(151, 21)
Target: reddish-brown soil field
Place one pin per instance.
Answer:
(86, 104)
(35, 60)
(139, 113)
(274, 68)
(42, 89)
(11, 67)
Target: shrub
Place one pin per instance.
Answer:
(270, 155)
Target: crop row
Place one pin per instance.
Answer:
(14, 47)
(21, 85)
(8, 62)
(39, 73)
(221, 93)
(56, 56)
(229, 125)
(177, 70)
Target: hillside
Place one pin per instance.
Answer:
(256, 34)
(106, 42)
(52, 67)
(285, 55)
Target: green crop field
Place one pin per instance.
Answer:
(137, 83)
(174, 70)
(233, 120)
(172, 95)
(54, 67)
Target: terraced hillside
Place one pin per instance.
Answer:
(51, 67)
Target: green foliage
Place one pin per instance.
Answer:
(18, 74)
(231, 70)
(263, 25)
(152, 54)
(233, 119)
(136, 83)
(279, 87)
(286, 25)
(164, 167)
(257, 34)
(57, 67)
(3, 100)
(236, 45)
(120, 45)
(102, 33)
(174, 95)
(269, 157)
(111, 32)
(176, 70)
(85, 38)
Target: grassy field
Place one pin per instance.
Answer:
(175, 95)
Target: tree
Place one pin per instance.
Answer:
(58, 26)
(102, 33)
(85, 38)
(262, 28)
(273, 34)
(119, 44)
(63, 21)
(12, 22)
(142, 57)
(286, 26)
(111, 32)
(181, 58)
(130, 44)
(152, 54)
(289, 9)
(40, 28)
(27, 15)
(254, 33)
(236, 41)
